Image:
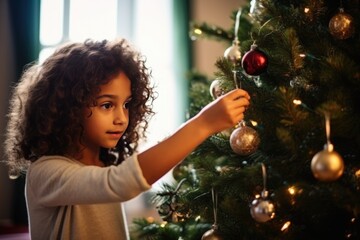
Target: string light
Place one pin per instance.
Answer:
(297, 102)
(292, 190)
(357, 173)
(197, 31)
(286, 226)
(254, 123)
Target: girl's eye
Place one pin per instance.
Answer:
(106, 105)
(127, 104)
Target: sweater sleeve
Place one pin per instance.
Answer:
(57, 181)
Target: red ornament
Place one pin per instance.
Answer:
(254, 62)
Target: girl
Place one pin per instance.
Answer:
(74, 124)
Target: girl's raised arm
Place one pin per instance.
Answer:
(222, 113)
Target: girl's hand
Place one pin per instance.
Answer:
(224, 112)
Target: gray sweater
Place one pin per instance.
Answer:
(69, 200)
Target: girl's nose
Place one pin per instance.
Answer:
(121, 116)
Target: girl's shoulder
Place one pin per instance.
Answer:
(53, 162)
(47, 168)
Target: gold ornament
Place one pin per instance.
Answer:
(341, 25)
(211, 234)
(244, 140)
(327, 165)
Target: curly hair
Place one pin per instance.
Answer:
(45, 108)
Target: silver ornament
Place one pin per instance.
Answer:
(244, 140)
(262, 210)
(14, 173)
(327, 165)
(233, 53)
(215, 89)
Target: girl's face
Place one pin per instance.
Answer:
(106, 122)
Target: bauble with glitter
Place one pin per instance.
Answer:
(342, 25)
(244, 140)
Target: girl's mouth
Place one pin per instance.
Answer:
(116, 134)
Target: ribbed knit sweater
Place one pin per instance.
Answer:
(69, 200)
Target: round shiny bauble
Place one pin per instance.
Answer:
(211, 234)
(14, 173)
(254, 62)
(262, 210)
(327, 165)
(342, 25)
(244, 140)
(215, 90)
(233, 53)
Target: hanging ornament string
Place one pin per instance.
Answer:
(236, 40)
(264, 177)
(237, 85)
(215, 207)
(327, 129)
(213, 233)
(237, 23)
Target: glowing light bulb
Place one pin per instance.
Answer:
(286, 226)
(297, 102)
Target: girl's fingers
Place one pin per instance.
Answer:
(239, 93)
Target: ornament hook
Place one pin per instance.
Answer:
(237, 23)
(215, 207)
(264, 193)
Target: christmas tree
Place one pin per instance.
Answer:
(291, 169)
